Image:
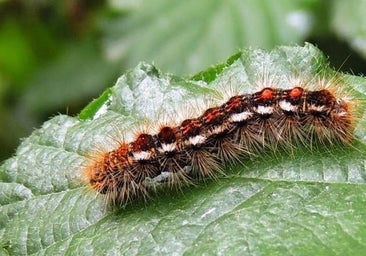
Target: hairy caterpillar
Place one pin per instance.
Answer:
(313, 111)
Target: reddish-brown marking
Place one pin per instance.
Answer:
(190, 127)
(166, 135)
(235, 104)
(118, 157)
(144, 142)
(267, 94)
(212, 116)
(296, 92)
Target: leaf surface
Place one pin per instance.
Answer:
(306, 202)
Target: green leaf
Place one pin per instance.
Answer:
(275, 204)
(201, 33)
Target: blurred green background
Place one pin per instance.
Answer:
(56, 56)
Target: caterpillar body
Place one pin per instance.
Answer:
(200, 146)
